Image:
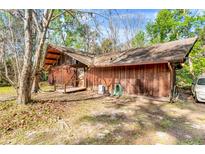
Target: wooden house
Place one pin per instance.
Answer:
(148, 71)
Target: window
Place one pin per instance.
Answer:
(201, 81)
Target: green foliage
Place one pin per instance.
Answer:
(44, 76)
(66, 29)
(70, 31)
(184, 77)
(139, 39)
(11, 33)
(172, 25)
(74, 38)
(166, 123)
(162, 25)
(106, 45)
(195, 141)
(3, 82)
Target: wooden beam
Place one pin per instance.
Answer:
(84, 77)
(47, 58)
(140, 63)
(78, 65)
(48, 63)
(52, 50)
(53, 53)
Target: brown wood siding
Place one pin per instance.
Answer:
(148, 80)
(62, 75)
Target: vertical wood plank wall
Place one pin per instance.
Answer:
(148, 80)
(62, 75)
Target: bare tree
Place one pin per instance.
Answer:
(11, 34)
(6, 74)
(120, 28)
(114, 31)
(131, 24)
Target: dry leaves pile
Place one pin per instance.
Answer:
(32, 116)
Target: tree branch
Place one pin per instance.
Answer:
(6, 73)
(38, 26)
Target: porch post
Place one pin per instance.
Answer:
(172, 82)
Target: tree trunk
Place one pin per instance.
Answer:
(35, 86)
(38, 53)
(24, 94)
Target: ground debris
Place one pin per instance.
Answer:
(87, 118)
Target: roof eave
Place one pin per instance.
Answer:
(187, 54)
(71, 53)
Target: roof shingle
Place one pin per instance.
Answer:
(174, 51)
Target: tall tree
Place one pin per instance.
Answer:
(42, 27)
(24, 94)
(172, 25)
(22, 54)
(139, 39)
(68, 30)
(106, 46)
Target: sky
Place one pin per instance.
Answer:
(135, 18)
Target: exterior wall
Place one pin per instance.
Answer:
(62, 75)
(66, 60)
(149, 80)
(63, 72)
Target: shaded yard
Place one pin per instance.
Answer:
(88, 118)
(7, 93)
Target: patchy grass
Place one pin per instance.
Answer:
(88, 118)
(45, 86)
(166, 123)
(7, 90)
(7, 93)
(104, 118)
(195, 141)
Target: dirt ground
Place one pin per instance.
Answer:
(88, 118)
